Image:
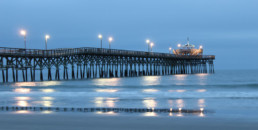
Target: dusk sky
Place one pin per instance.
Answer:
(226, 28)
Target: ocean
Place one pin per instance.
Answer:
(231, 93)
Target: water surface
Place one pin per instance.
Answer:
(234, 93)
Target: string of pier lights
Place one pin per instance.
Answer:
(150, 45)
(24, 34)
(110, 39)
(179, 45)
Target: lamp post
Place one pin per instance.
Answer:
(100, 37)
(110, 39)
(148, 42)
(23, 33)
(170, 49)
(201, 49)
(151, 45)
(46, 38)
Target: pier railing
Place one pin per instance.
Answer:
(89, 50)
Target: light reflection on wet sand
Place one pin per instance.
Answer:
(47, 103)
(201, 114)
(22, 112)
(107, 113)
(150, 114)
(47, 112)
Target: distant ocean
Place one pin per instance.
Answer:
(227, 92)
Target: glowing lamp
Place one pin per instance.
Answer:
(147, 41)
(47, 36)
(152, 44)
(23, 32)
(110, 39)
(100, 36)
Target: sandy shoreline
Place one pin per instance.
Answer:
(93, 122)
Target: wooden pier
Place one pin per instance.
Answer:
(83, 63)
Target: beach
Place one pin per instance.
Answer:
(81, 122)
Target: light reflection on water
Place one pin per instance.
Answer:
(47, 103)
(107, 90)
(47, 98)
(110, 103)
(201, 103)
(47, 90)
(170, 103)
(178, 91)
(149, 102)
(180, 103)
(202, 78)
(105, 102)
(45, 83)
(151, 80)
(22, 98)
(22, 90)
(20, 84)
(150, 90)
(180, 79)
(143, 92)
(201, 90)
(180, 76)
(107, 82)
(22, 103)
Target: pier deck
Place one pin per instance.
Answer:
(96, 63)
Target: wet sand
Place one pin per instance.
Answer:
(99, 122)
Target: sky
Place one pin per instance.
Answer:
(227, 29)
